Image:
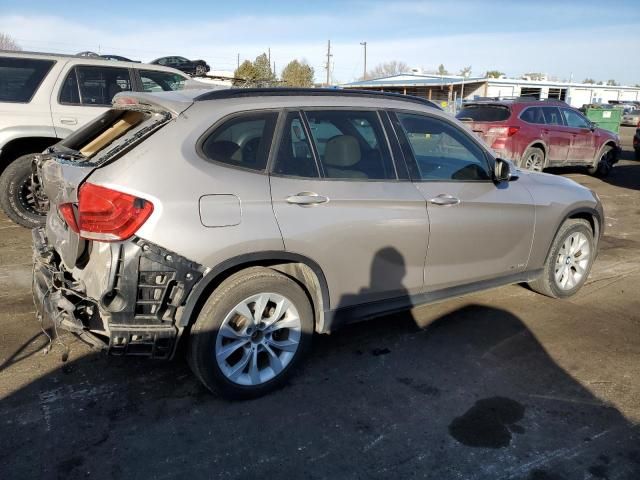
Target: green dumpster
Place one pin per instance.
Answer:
(605, 117)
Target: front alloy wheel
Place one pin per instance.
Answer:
(572, 262)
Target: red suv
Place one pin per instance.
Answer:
(538, 134)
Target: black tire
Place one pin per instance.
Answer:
(200, 71)
(546, 283)
(531, 153)
(16, 196)
(240, 286)
(637, 152)
(605, 163)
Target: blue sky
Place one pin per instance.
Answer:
(562, 38)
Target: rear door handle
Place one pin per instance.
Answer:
(444, 199)
(68, 121)
(307, 198)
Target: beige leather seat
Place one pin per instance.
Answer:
(340, 155)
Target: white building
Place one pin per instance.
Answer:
(451, 88)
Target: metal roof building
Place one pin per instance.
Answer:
(449, 89)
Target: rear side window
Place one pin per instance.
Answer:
(242, 141)
(351, 145)
(533, 115)
(21, 77)
(153, 81)
(552, 116)
(484, 113)
(87, 85)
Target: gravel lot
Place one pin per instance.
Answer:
(504, 384)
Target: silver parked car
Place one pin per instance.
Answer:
(631, 118)
(245, 221)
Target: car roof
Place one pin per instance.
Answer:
(310, 92)
(88, 60)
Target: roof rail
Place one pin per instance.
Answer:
(515, 99)
(313, 92)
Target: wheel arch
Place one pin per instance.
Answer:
(19, 146)
(306, 272)
(591, 215)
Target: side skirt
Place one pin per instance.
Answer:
(334, 319)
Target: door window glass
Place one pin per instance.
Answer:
(574, 119)
(351, 145)
(21, 77)
(96, 85)
(552, 116)
(242, 141)
(153, 81)
(442, 151)
(295, 157)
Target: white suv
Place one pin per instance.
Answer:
(43, 98)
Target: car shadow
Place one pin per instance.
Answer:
(468, 393)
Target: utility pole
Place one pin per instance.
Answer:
(238, 61)
(364, 74)
(328, 66)
(269, 50)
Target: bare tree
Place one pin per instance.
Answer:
(388, 69)
(466, 71)
(8, 43)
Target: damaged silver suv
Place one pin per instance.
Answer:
(243, 222)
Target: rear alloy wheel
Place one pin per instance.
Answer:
(604, 165)
(200, 70)
(251, 333)
(569, 261)
(533, 159)
(21, 199)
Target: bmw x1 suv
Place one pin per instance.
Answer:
(243, 222)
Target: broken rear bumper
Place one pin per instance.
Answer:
(135, 315)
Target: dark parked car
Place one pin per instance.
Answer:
(190, 67)
(539, 134)
(636, 142)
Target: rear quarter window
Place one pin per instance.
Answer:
(21, 77)
(484, 113)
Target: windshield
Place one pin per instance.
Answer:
(21, 77)
(484, 113)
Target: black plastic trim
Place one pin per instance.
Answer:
(247, 259)
(311, 92)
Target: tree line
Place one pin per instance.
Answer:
(259, 73)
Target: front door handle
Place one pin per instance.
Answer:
(68, 121)
(307, 198)
(444, 199)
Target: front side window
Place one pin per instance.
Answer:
(351, 145)
(86, 85)
(154, 81)
(442, 151)
(242, 141)
(295, 157)
(574, 119)
(21, 77)
(552, 116)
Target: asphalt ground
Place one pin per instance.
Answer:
(506, 384)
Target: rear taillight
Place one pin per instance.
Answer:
(105, 214)
(69, 216)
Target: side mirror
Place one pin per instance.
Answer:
(503, 170)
